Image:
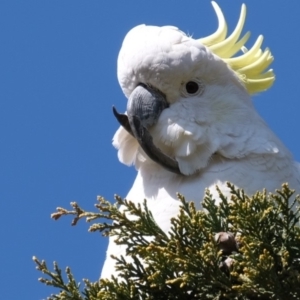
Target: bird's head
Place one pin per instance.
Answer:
(188, 99)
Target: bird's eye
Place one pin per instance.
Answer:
(192, 87)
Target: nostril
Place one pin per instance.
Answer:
(142, 84)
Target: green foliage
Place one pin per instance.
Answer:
(245, 248)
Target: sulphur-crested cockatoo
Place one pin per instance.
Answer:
(190, 123)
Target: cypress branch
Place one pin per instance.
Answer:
(244, 248)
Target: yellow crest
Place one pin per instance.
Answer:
(251, 65)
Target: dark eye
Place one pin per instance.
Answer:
(192, 87)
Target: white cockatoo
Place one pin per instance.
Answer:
(190, 123)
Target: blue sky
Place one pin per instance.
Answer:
(58, 85)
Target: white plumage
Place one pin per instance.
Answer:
(214, 133)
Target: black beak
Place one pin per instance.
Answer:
(144, 107)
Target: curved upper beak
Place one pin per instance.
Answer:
(144, 107)
(146, 103)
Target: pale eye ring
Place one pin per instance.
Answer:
(192, 88)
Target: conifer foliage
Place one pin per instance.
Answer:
(244, 248)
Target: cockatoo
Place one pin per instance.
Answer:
(190, 123)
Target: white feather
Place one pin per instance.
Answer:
(215, 136)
